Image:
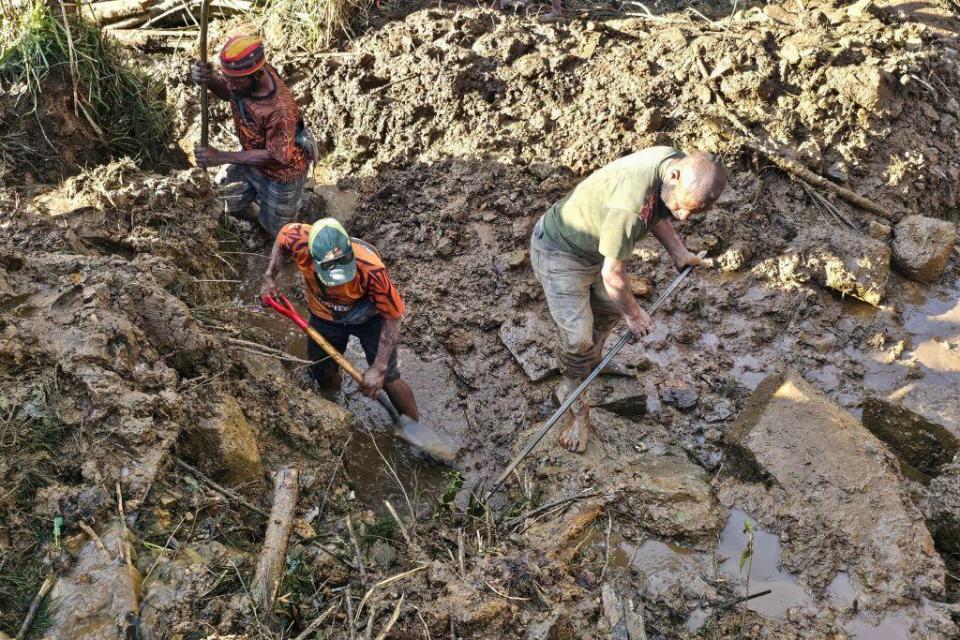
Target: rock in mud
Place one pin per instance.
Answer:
(100, 590)
(942, 509)
(670, 497)
(225, 445)
(922, 246)
(866, 86)
(527, 338)
(557, 538)
(841, 480)
(624, 396)
(835, 258)
(921, 423)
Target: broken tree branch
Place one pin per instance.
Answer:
(270, 565)
(797, 170)
(35, 605)
(356, 548)
(794, 168)
(316, 623)
(220, 488)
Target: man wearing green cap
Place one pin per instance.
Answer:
(349, 293)
(581, 246)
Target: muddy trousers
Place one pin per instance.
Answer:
(325, 369)
(578, 303)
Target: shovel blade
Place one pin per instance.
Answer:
(426, 439)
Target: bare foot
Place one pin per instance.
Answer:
(574, 436)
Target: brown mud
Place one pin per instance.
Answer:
(131, 334)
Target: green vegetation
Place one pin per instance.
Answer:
(42, 51)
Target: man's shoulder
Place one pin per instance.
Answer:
(368, 258)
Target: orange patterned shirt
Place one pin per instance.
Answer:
(271, 123)
(372, 280)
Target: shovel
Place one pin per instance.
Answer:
(404, 427)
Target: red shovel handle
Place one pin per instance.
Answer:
(284, 307)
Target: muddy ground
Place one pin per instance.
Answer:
(131, 337)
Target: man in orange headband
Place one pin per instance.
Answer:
(276, 146)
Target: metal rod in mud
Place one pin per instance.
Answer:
(731, 603)
(624, 339)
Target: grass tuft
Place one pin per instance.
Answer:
(123, 108)
(308, 26)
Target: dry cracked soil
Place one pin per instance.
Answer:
(791, 426)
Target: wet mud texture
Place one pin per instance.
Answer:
(129, 336)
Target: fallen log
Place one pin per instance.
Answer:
(107, 11)
(154, 39)
(272, 560)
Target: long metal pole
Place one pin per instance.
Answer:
(626, 337)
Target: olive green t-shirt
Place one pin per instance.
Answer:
(610, 211)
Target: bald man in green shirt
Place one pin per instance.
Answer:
(581, 246)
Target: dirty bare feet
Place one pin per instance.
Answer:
(574, 437)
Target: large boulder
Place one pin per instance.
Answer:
(846, 262)
(224, 445)
(921, 247)
(841, 481)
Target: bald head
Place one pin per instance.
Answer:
(693, 184)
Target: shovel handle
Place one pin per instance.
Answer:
(284, 307)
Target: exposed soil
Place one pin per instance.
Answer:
(130, 336)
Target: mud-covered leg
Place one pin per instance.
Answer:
(402, 397)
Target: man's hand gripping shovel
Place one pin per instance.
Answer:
(405, 428)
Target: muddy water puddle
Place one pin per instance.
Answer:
(761, 570)
(662, 567)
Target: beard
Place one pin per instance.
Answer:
(245, 92)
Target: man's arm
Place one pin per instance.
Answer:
(616, 281)
(671, 241)
(277, 256)
(211, 157)
(374, 377)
